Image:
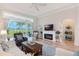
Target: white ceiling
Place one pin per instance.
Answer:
(29, 8)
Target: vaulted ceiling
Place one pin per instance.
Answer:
(32, 9)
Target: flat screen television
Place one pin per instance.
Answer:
(48, 27)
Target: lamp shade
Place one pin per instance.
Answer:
(3, 32)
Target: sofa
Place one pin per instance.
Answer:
(13, 50)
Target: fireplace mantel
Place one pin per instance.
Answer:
(49, 32)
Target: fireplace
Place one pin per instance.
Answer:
(48, 36)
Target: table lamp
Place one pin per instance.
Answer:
(3, 34)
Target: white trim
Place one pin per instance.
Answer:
(6, 14)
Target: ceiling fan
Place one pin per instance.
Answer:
(38, 5)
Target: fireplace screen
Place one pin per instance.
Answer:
(48, 36)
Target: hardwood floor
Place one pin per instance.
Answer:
(68, 45)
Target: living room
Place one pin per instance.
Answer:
(39, 29)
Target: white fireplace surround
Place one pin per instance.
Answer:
(49, 32)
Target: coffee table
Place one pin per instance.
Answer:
(34, 48)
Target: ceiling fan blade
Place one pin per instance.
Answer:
(37, 9)
(37, 5)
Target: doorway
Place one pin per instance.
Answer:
(68, 31)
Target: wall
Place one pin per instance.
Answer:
(35, 24)
(57, 19)
(77, 29)
(1, 21)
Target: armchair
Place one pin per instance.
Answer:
(19, 39)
